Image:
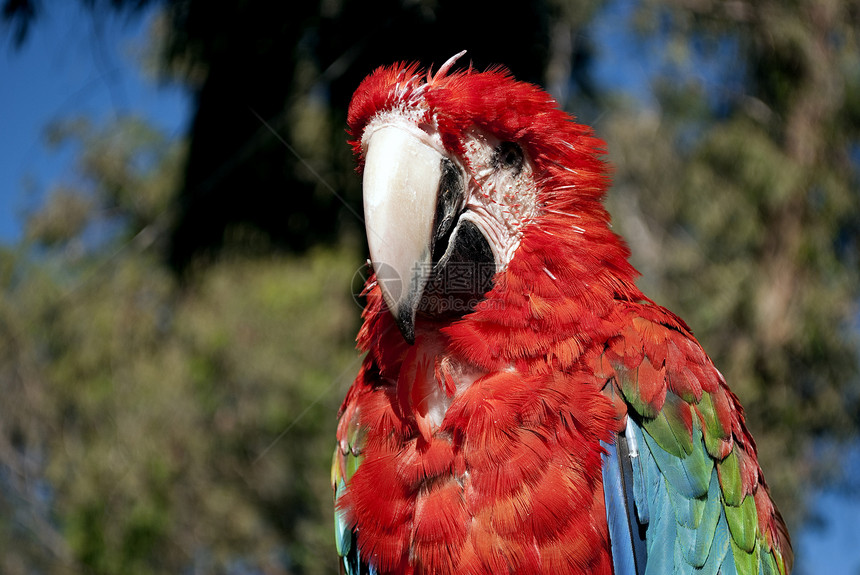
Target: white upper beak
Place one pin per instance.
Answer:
(401, 183)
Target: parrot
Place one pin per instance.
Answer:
(522, 407)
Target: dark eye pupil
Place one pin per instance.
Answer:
(509, 156)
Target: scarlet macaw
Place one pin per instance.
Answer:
(523, 407)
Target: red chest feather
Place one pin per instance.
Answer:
(509, 482)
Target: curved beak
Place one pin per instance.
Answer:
(404, 208)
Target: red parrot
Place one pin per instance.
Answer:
(522, 407)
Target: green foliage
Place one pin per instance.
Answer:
(130, 166)
(172, 427)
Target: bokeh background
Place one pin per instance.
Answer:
(179, 249)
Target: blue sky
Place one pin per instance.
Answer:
(72, 65)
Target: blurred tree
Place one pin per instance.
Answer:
(151, 429)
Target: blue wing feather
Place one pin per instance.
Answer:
(683, 534)
(619, 515)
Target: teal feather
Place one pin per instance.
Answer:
(720, 560)
(681, 566)
(662, 527)
(689, 529)
(660, 535)
(696, 540)
(690, 475)
(688, 512)
(342, 532)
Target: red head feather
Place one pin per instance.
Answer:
(589, 260)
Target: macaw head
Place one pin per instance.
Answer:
(459, 170)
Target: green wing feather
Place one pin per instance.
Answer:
(697, 485)
(347, 458)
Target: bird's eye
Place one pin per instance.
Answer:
(509, 156)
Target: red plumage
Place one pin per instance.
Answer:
(510, 479)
